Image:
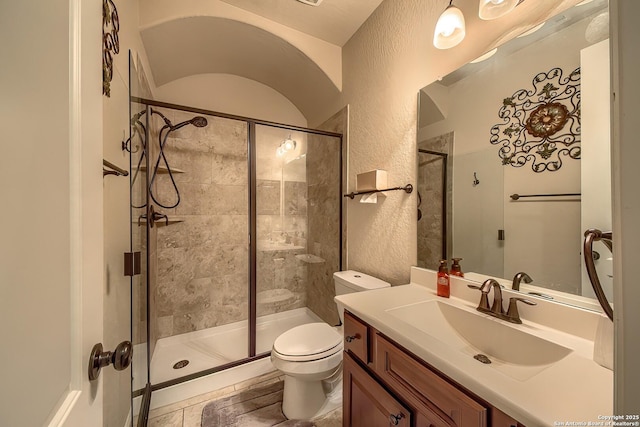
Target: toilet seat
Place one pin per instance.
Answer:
(308, 342)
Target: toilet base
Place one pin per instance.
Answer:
(306, 400)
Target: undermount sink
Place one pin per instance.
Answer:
(512, 351)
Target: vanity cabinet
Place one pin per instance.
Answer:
(385, 384)
(370, 405)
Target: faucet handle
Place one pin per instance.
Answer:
(513, 315)
(484, 298)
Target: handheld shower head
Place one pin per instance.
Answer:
(199, 121)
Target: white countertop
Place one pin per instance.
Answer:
(575, 389)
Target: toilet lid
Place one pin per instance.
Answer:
(306, 342)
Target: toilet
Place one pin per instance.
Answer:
(310, 356)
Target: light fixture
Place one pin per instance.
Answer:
(485, 56)
(493, 9)
(450, 29)
(311, 2)
(531, 30)
(285, 146)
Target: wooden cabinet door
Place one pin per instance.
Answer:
(430, 419)
(404, 374)
(367, 403)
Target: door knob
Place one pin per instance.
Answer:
(120, 358)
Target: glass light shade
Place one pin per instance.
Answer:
(449, 29)
(493, 9)
(531, 31)
(485, 56)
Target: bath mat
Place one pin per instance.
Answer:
(256, 407)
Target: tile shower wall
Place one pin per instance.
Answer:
(202, 258)
(323, 178)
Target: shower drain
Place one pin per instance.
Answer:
(181, 364)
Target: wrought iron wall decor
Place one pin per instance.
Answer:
(541, 126)
(110, 43)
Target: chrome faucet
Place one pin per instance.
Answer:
(522, 276)
(511, 315)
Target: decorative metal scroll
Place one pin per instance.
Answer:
(110, 43)
(541, 125)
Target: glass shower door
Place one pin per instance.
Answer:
(198, 246)
(298, 205)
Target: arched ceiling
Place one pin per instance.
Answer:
(204, 44)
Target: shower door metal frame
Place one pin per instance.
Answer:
(252, 163)
(445, 158)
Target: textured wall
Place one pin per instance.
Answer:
(384, 65)
(379, 67)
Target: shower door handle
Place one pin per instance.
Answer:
(120, 358)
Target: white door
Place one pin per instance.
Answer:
(51, 215)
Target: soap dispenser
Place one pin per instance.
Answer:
(443, 288)
(455, 268)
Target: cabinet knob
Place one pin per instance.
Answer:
(395, 419)
(350, 338)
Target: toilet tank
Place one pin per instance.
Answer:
(350, 281)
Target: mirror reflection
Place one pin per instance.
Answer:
(513, 160)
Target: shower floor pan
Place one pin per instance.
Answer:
(217, 346)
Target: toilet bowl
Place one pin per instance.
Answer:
(310, 357)
(307, 355)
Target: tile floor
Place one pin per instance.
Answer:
(188, 413)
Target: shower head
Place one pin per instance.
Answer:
(199, 121)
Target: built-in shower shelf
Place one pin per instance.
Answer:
(310, 259)
(275, 296)
(163, 222)
(162, 170)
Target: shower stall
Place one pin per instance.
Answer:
(239, 227)
(434, 187)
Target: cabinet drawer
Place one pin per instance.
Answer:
(356, 337)
(405, 374)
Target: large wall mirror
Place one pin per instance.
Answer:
(513, 159)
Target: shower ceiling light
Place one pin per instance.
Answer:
(493, 9)
(450, 29)
(285, 146)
